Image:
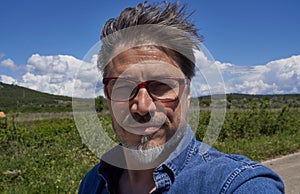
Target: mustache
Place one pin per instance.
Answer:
(134, 120)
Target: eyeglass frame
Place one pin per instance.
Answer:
(144, 84)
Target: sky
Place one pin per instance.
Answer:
(256, 43)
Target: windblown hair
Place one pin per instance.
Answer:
(163, 25)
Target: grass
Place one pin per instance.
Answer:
(47, 155)
(262, 147)
(43, 157)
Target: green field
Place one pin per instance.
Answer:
(47, 156)
(41, 150)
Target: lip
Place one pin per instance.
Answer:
(142, 130)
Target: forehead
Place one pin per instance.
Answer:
(143, 62)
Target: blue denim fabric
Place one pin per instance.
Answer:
(197, 169)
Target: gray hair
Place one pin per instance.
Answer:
(164, 24)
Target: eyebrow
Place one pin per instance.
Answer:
(153, 77)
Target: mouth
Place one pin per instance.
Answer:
(142, 129)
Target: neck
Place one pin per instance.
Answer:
(136, 181)
(136, 176)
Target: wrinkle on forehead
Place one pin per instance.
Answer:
(151, 69)
(145, 53)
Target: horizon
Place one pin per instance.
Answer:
(201, 96)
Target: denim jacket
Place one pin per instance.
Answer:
(197, 169)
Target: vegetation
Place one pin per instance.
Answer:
(15, 98)
(47, 156)
(18, 99)
(44, 156)
(42, 152)
(257, 133)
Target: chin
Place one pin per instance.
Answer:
(145, 153)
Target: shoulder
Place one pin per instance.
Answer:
(216, 172)
(91, 181)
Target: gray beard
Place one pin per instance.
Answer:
(150, 156)
(143, 153)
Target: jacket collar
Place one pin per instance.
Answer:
(177, 160)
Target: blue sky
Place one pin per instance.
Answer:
(243, 33)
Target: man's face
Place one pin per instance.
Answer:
(146, 121)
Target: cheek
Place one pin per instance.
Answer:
(177, 115)
(115, 117)
(118, 110)
(126, 138)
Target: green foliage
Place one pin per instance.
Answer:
(245, 101)
(252, 123)
(15, 98)
(44, 156)
(100, 104)
(3, 123)
(258, 133)
(106, 122)
(19, 99)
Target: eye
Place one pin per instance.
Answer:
(122, 88)
(159, 86)
(163, 87)
(164, 84)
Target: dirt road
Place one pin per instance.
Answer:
(288, 168)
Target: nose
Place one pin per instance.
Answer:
(143, 103)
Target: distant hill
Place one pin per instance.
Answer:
(15, 98)
(248, 101)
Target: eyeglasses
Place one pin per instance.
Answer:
(162, 89)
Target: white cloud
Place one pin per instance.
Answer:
(279, 76)
(67, 75)
(57, 75)
(9, 64)
(7, 79)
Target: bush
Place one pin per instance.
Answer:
(3, 123)
(47, 156)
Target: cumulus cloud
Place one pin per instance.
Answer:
(8, 63)
(276, 77)
(67, 75)
(208, 78)
(57, 75)
(7, 79)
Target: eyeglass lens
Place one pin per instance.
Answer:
(162, 89)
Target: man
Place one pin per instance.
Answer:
(148, 62)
